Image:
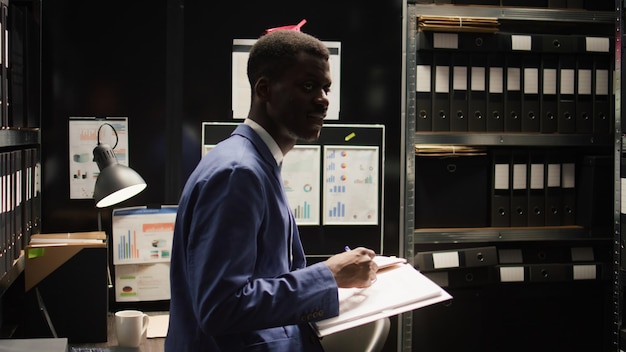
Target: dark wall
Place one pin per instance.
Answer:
(166, 65)
(101, 58)
(371, 72)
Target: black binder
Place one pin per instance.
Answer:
(458, 101)
(513, 93)
(500, 189)
(519, 188)
(423, 94)
(584, 90)
(478, 42)
(595, 210)
(548, 95)
(466, 257)
(441, 101)
(567, 96)
(530, 96)
(536, 191)
(553, 188)
(552, 272)
(602, 96)
(18, 202)
(568, 189)
(495, 93)
(4, 219)
(477, 93)
(560, 44)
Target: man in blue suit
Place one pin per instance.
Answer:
(239, 280)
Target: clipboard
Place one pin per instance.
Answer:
(398, 289)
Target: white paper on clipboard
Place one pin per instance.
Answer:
(397, 290)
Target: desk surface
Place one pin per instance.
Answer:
(147, 345)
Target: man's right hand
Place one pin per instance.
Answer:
(353, 268)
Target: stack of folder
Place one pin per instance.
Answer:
(458, 24)
(448, 150)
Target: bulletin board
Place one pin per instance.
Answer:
(333, 185)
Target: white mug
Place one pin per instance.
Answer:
(131, 327)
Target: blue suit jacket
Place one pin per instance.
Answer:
(239, 280)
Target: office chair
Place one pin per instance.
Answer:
(368, 337)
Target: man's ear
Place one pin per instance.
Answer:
(262, 88)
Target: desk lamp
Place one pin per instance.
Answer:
(116, 182)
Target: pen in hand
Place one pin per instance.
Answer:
(347, 249)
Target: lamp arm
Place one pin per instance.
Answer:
(117, 138)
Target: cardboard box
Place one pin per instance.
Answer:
(68, 280)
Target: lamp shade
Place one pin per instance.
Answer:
(115, 183)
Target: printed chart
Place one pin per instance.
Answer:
(142, 243)
(301, 180)
(351, 185)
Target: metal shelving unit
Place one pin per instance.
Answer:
(618, 243)
(410, 138)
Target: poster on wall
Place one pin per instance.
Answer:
(142, 282)
(142, 243)
(301, 181)
(241, 86)
(142, 234)
(351, 185)
(83, 138)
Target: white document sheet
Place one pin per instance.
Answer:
(397, 290)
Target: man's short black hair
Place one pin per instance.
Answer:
(276, 51)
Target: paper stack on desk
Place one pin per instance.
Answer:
(399, 288)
